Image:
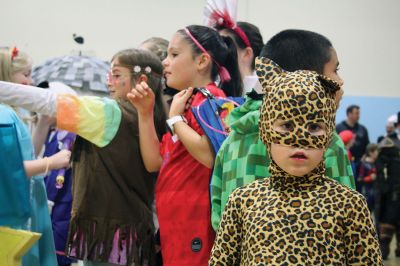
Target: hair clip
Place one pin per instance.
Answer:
(14, 53)
(138, 69)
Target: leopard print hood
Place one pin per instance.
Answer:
(304, 97)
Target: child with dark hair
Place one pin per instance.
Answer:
(297, 216)
(367, 174)
(242, 157)
(111, 219)
(197, 55)
(300, 49)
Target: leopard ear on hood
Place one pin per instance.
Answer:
(266, 70)
(329, 85)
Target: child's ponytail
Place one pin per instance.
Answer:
(233, 87)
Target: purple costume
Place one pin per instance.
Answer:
(60, 196)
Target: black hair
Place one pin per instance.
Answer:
(351, 108)
(253, 35)
(222, 50)
(298, 49)
(139, 57)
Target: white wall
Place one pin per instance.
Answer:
(365, 33)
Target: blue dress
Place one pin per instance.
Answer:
(43, 252)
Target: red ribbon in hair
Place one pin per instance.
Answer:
(14, 53)
(226, 21)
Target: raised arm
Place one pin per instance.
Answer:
(142, 98)
(31, 98)
(95, 119)
(199, 146)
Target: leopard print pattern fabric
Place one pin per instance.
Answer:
(289, 220)
(273, 222)
(304, 97)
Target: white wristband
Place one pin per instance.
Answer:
(173, 120)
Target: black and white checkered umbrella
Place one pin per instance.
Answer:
(81, 72)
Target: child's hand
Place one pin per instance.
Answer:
(142, 98)
(179, 103)
(59, 160)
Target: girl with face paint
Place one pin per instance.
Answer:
(297, 215)
(111, 219)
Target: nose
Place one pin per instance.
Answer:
(110, 82)
(29, 81)
(340, 81)
(165, 62)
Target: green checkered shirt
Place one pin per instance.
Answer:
(243, 158)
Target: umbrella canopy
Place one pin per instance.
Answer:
(81, 72)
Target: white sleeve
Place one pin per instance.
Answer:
(29, 97)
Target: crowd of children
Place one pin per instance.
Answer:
(280, 190)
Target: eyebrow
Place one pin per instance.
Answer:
(117, 65)
(172, 48)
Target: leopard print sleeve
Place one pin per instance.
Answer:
(227, 245)
(361, 240)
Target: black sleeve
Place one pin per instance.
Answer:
(340, 127)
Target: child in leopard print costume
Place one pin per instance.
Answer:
(298, 216)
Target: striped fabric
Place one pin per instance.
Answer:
(94, 118)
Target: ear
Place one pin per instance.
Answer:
(248, 53)
(141, 78)
(203, 61)
(266, 70)
(329, 84)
